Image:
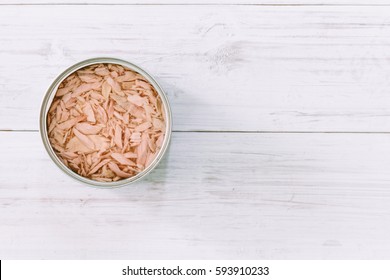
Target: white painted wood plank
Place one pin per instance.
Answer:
(198, 2)
(224, 68)
(217, 195)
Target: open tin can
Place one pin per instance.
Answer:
(48, 99)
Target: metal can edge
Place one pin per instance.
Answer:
(49, 95)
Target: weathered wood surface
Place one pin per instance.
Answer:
(229, 68)
(230, 71)
(217, 195)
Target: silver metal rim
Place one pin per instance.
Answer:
(49, 96)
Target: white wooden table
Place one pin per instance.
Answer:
(281, 143)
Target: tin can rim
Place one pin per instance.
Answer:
(47, 101)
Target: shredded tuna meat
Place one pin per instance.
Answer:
(106, 122)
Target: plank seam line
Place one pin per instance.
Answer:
(194, 4)
(243, 131)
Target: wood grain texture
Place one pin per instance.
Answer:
(276, 66)
(229, 68)
(272, 196)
